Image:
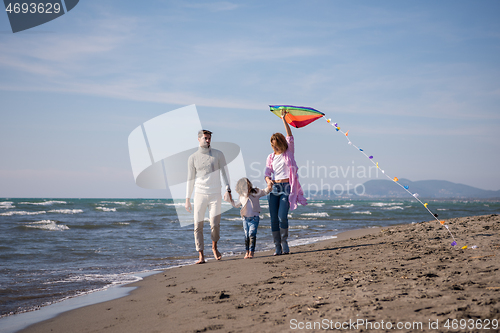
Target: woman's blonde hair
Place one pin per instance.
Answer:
(245, 187)
(280, 141)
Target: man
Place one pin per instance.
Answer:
(205, 168)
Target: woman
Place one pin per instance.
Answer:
(281, 173)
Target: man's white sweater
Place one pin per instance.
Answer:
(204, 170)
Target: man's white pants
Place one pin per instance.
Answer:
(201, 203)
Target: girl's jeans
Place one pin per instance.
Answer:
(250, 225)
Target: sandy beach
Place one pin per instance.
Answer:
(405, 278)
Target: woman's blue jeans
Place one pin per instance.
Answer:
(279, 206)
(250, 225)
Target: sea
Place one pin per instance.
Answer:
(55, 249)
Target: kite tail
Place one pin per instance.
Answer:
(395, 179)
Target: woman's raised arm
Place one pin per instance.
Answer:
(287, 127)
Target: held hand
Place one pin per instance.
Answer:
(188, 205)
(283, 113)
(269, 182)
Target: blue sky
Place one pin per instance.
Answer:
(417, 84)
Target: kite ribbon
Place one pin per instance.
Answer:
(394, 179)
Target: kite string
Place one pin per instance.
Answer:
(395, 179)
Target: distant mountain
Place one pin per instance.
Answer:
(425, 188)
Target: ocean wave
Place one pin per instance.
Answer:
(350, 205)
(106, 209)
(442, 209)
(309, 240)
(21, 212)
(47, 225)
(299, 227)
(6, 204)
(66, 211)
(114, 279)
(117, 203)
(153, 203)
(366, 212)
(385, 204)
(44, 203)
(319, 214)
(392, 208)
(316, 204)
(177, 204)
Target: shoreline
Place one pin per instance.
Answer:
(19, 321)
(326, 279)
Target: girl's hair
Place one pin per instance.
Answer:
(245, 187)
(280, 141)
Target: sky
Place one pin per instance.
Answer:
(417, 84)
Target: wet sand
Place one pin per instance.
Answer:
(364, 280)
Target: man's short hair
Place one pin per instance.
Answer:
(202, 132)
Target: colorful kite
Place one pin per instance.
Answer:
(299, 116)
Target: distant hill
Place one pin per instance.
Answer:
(425, 188)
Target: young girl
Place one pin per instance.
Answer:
(250, 209)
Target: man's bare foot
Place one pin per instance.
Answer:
(250, 255)
(201, 259)
(217, 254)
(247, 255)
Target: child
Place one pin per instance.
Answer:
(250, 209)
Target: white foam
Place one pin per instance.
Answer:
(117, 203)
(366, 212)
(66, 211)
(392, 208)
(44, 203)
(115, 279)
(106, 209)
(350, 205)
(6, 204)
(18, 212)
(318, 214)
(316, 204)
(442, 209)
(177, 204)
(299, 227)
(47, 225)
(385, 204)
(304, 241)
